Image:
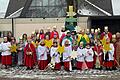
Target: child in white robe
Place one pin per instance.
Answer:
(89, 56)
(80, 57)
(55, 55)
(42, 55)
(6, 54)
(67, 56)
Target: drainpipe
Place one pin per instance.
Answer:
(13, 26)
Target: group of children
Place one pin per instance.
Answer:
(81, 50)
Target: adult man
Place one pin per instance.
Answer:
(54, 32)
(118, 49)
(106, 34)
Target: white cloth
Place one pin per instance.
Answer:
(41, 53)
(67, 53)
(5, 48)
(54, 54)
(89, 55)
(80, 55)
(0, 47)
(111, 52)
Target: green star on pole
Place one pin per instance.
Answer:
(71, 19)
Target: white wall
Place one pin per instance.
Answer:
(28, 25)
(5, 25)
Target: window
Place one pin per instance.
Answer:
(47, 9)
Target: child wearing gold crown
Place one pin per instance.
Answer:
(98, 56)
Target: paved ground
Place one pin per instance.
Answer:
(20, 73)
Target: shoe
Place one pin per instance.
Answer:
(28, 68)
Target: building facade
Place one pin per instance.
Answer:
(90, 14)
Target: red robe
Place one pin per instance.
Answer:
(115, 56)
(7, 60)
(109, 35)
(61, 38)
(54, 33)
(117, 53)
(30, 60)
(98, 49)
(42, 36)
(6, 54)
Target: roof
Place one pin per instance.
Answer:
(95, 7)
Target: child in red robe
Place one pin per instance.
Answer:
(29, 55)
(98, 57)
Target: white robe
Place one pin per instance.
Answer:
(89, 55)
(0, 47)
(5, 48)
(40, 51)
(80, 55)
(67, 53)
(53, 52)
(111, 52)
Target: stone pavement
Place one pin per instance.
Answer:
(20, 73)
